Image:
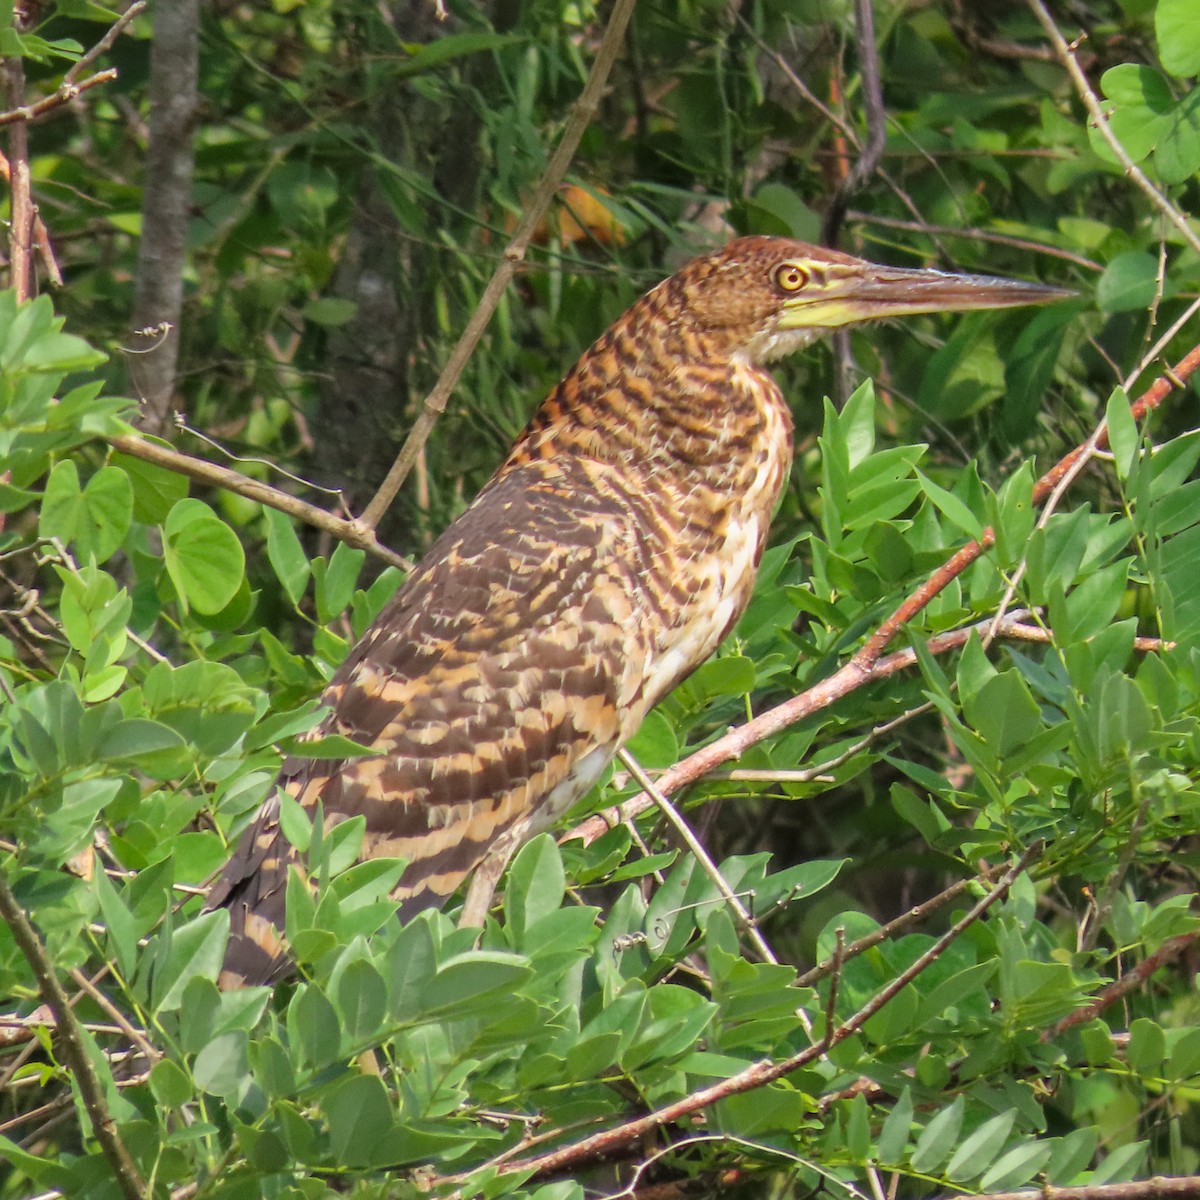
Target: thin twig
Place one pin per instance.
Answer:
(73, 1048)
(914, 916)
(64, 95)
(353, 532)
(514, 253)
(1066, 56)
(759, 1074)
(872, 151)
(135, 1035)
(1133, 978)
(710, 868)
(974, 235)
(105, 44)
(867, 665)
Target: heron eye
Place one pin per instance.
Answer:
(790, 278)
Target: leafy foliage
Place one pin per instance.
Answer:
(162, 643)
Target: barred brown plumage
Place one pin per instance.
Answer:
(604, 561)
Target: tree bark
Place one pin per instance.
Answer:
(166, 208)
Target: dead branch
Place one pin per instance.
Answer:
(514, 253)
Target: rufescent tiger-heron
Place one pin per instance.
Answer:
(602, 563)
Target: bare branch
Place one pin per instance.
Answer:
(352, 532)
(104, 45)
(20, 237)
(1158, 1187)
(599, 1145)
(872, 151)
(435, 403)
(73, 1048)
(22, 114)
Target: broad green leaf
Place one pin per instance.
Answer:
(361, 1000)
(203, 557)
(977, 1151)
(1017, 1166)
(170, 1084)
(1123, 437)
(314, 1026)
(466, 982)
(360, 1118)
(1178, 33)
(893, 1138)
(286, 554)
(951, 507)
(535, 886)
(1147, 1047)
(335, 579)
(1129, 282)
(94, 519)
(222, 1066)
(194, 949)
(938, 1138)
(155, 489)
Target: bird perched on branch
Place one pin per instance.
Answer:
(602, 563)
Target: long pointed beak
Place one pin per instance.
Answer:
(844, 295)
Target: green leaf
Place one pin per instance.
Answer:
(1147, 1047)
(195, 949)
(155, 489)
(223, 1066)
(1123, 437)
(938, 1138)
(456, 45)
(286, 555)
(535, 886)
(330, 311)
(136, 739)
(467, 982)
(951, 507)
(95, 519)
(313, 1025)
(360, 1117)
(976, 1152)
(1005, 713)
(1140, 102)
(1178, 34)
(122, 928)
(893, 1138)
(170, 1084)
(1018, 1166)
(203, 557)
(335, 580)
(857, 423)
(361, 1000)
(1128, 283)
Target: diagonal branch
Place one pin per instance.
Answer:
(759, 1074)
(868, 665)
(1066, 56)
(74, 1051)
(514, 253)
(354, 533)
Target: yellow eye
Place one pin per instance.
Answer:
(789, 277)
